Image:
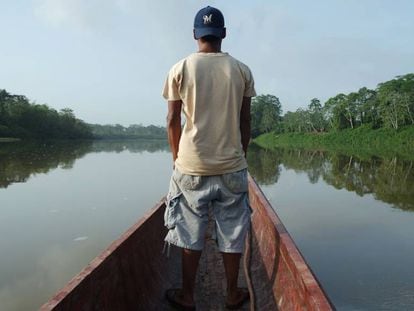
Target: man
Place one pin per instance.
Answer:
(213, 90)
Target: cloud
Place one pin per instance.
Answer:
(82, 15)
(296, 51)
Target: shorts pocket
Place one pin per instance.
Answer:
(187, 182)
(171, 213)
(236, 182)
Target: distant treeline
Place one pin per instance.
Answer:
(390, 105)
(20, 118)
(131, 132)
(363, 140)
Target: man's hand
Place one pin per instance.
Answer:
(174, 126)
(245, 123)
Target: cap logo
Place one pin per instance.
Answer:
(207, 19)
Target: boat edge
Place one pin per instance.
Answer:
(293, 256)
(94, 263)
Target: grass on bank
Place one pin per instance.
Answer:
(8, 139)
(362, 140)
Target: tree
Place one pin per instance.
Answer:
(334, 111)
(23, 119)
(67, 113)
(315, 112)
(290, 122)
(266, 113)
(392, 109)
(367, 107)
(133, 131)
(349, 108)
(396, 101)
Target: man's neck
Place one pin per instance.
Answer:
(206, 47)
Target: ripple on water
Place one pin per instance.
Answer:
(81, 238)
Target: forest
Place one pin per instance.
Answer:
(20, 118)
(133, 131)
(389, 105)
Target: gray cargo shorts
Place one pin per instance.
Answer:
(187, 210)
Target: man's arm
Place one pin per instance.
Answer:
(245, 123)
(174, 125)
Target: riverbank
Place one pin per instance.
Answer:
(96, 138)
(362, 141)
(8, 139)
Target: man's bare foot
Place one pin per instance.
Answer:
(178, 300)
(236, 299)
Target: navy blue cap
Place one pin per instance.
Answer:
(209, 21)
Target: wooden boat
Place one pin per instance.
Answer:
(133, 274)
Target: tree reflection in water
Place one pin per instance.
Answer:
(264, 164)
(20, 160)
(390, 180)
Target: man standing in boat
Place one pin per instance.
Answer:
(213, 90)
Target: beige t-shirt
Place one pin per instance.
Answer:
(211, 87)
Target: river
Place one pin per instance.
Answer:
(61, 204)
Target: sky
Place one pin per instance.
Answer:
(108, 59)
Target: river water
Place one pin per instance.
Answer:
(62, 204)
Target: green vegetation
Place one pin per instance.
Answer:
(8, 139)
(362, 140)
(21, 119)
(380, 120)
(266, 113)
(132, 132)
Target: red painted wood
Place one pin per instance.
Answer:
(289, 279)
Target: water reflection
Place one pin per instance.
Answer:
(389, 180)
(70, 215)
(20, 160)
(264, 164)
(134, 146)
(64, 204)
